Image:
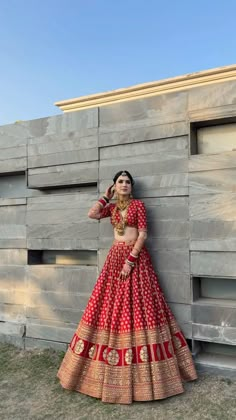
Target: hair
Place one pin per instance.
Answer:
(124, 173)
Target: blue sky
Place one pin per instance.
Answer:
(59, 49)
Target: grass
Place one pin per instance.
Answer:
(29, 389)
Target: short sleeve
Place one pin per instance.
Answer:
(142, 217)
(106, 211)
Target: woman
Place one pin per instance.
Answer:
(128, 345)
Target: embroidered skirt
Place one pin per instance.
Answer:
(128, 345)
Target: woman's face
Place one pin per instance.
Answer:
(123, 185)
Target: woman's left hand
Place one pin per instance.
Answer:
(125, 272)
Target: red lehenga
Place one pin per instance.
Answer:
(128, 345)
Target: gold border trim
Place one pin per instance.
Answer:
(188, 81)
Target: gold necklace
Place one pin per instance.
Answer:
(120, 226)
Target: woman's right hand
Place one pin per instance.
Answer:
(109, 192)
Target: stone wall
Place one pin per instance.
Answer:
(53, 169)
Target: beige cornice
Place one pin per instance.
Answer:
(144, 90)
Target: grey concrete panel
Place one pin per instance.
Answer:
(12, 202)
(165, 108)
(213, 333)
(186, 328)
(61, 279)
(62, 200)
(13, 256)
(209, 114)
(52, 333)
(14, 135)
(34, 343)
(214, 314)
(212, 182)
(199, 163)
(14, 340)
(222, 245)
(12, 313)
(176, 287)
(163, 146)
(84, 123)
(211, 96)
(12, 153)
(13, 297)
(13, 243)
(13, 165)
(213, 264)
(62, 243)
(212, 230)
(158, 243)
(54, 217)
(66, 315)
(79, 173)
(47, 301)
(213, 207)
(65, 157)
(11, 328)
(81, 230)
(146, 166)
(181, 312)
(67, 141)
(12, 231)
(12, 277)
(123, 135)
(173, 261)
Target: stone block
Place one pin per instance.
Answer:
(219, 264)
(212, 182)
(176, 287)
(13, 256)
(221, 314)
(52, 333)
(199, 163)
(124, 135)
(213, 333)
(212, 96)
(71, 174)
(61, 279)
(34, 343)
(166, 108)
(213, 207)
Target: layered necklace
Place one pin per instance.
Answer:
(119, 207)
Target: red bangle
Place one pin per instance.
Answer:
(132, 258)
(102, 202)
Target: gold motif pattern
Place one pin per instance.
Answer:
(113, 357)
(144, 354)
(129, 356)
(79, 347)
(92, 351)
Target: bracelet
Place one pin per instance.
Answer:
(129, 263)
(105, 198)
(135, 256)
(132, 258)
(102, 201)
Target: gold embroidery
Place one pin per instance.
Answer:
(129, 356)
(113, 357)
(144, 354)
(79, 347)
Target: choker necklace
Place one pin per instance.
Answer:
(122, 205)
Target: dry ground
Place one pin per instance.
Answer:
(29, 390)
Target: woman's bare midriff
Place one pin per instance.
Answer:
(130, 235)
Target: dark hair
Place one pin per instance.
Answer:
(125, 173)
